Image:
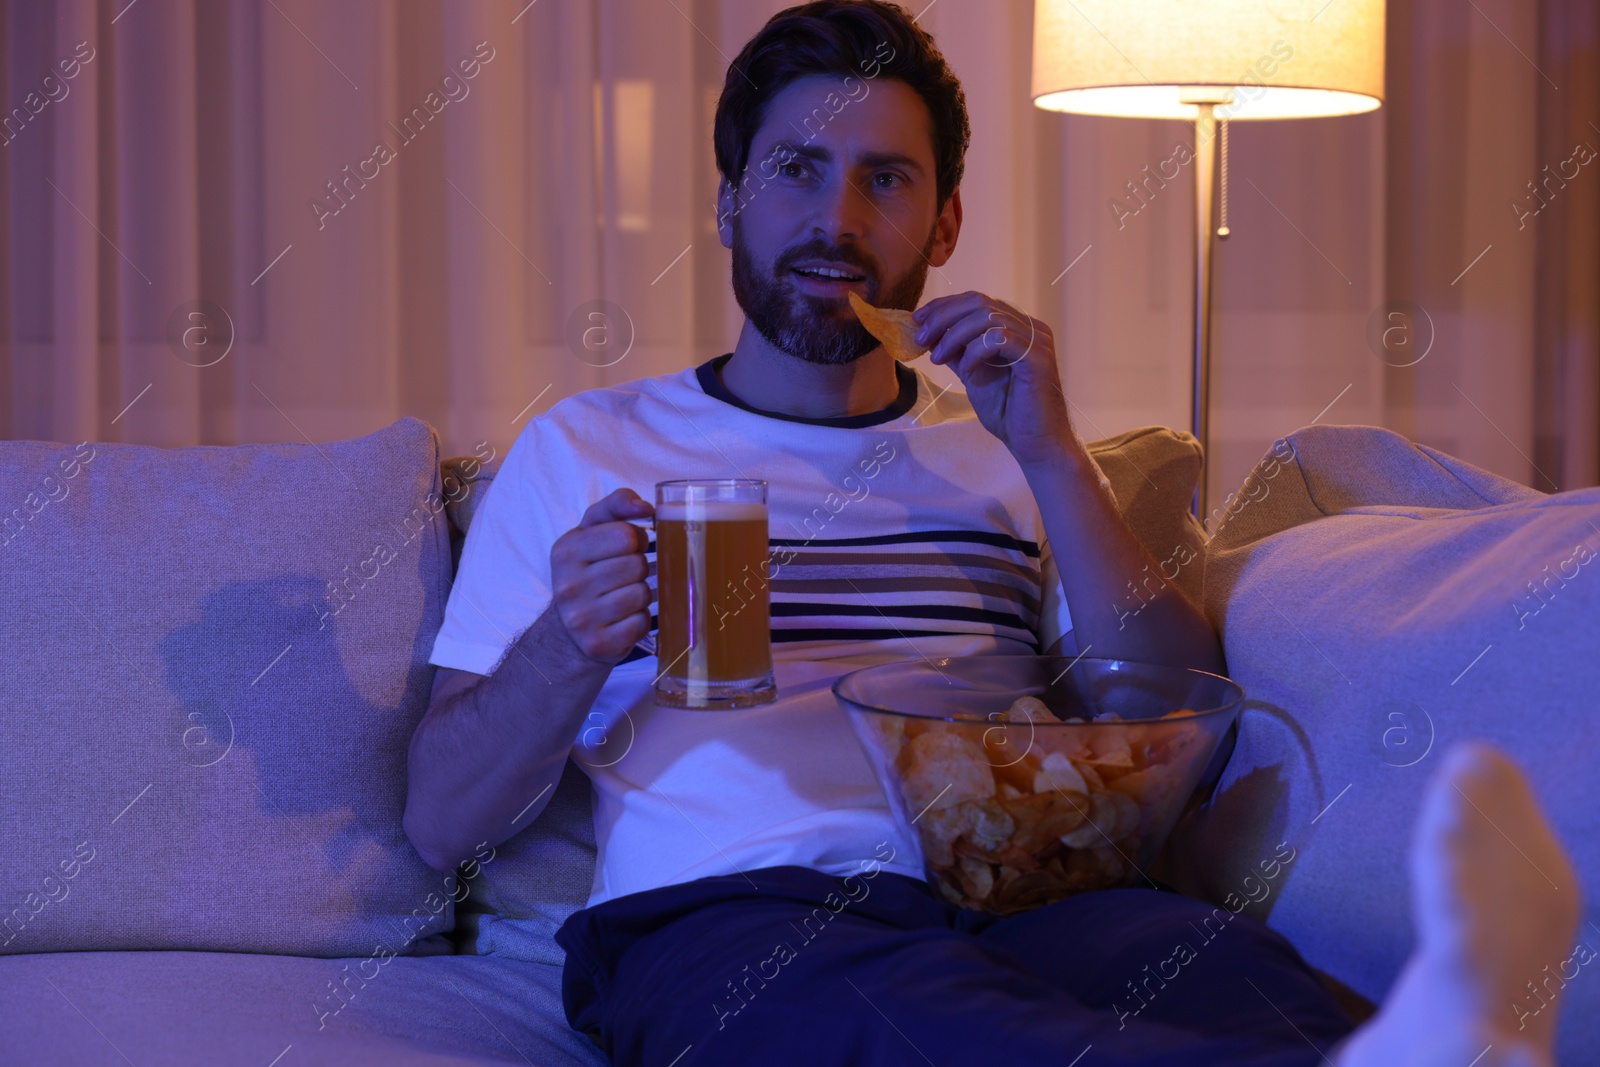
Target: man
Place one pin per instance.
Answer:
(916, 524)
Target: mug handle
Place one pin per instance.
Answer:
(648, 642)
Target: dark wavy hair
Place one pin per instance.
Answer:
(843, 37)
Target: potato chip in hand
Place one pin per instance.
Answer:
(892, 327)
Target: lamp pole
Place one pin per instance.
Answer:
(1205, 162)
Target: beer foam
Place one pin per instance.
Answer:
(711, 511)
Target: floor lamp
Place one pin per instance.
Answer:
(1210, 62)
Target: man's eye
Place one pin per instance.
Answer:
(888, 180)
(786, 171)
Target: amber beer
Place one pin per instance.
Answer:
(714, 646)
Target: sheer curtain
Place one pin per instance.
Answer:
(275, 220)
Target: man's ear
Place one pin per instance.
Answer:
(946, 230)
(727, 203)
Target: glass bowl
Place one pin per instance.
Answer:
(1026, 779)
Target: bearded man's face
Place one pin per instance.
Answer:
(851, 204)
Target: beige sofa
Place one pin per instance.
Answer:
(1379, 600)
(217, 656)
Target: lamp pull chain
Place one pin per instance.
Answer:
(1222, 230)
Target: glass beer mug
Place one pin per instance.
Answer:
(714, 639)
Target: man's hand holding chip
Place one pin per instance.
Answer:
(1006, 361)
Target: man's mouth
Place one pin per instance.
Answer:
(830, 280)
(830, 274)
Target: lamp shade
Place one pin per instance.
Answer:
(1254, 59)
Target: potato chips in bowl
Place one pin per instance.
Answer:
(1026, 779)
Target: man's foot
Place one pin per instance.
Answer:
(1496, 904)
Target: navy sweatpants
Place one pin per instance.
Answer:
(789, 966)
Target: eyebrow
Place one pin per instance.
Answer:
(825, 155)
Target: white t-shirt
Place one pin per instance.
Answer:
(904, 533)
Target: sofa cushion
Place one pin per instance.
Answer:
(1379, 600)
(543, 874)
(216, 659)
(1153, 471)
(514, 904)
(189, 1009)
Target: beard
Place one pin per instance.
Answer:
(817, 329)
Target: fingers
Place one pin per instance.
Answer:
(619, 605)
(608, 641)
(577, 581)
(960, 333)
(617, 640)
(620, 504)
(590, 544)
(605, 532)
(591, 617)
(599, 583)
(602, 576)
(987, 335)
(940, 313)
(944, 312)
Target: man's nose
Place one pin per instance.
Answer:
(843, 213)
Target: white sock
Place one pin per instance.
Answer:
(1495, 902)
